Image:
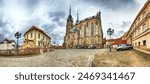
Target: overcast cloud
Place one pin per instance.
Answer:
(51, 15)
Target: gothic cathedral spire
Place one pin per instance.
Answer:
(77, 16)
(69, 21)
(70, 10)
(70, 16)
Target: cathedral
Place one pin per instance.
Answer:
(86, 33)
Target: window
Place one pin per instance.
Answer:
(144, 28)
(43, 37)
(78, 33)
(84, 30)
(39, 36)
(135, 24)
(27, 36)
(135, 44)
(31, 35)
(132, 29)
(139, 43)
(144, 43)
(92, 29)
(144, 14)
(138, 31)
(139, 20)
(38, 43)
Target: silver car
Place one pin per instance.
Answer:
(124, 47)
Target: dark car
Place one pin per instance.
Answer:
(124, 47)
(85, 47)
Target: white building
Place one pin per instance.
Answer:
(7, 44)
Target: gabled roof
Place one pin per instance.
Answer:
(8, 41)
(38, 29)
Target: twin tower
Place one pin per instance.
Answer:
(86, 33)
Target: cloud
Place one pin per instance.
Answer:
(58, 17)
(125, 24)
(120, 28)
(118, 33)
(51, 15)
(49, 27)
(113, 4)
(31, 3)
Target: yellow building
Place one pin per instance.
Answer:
(139, 33)
(36, 38)
(85, 33)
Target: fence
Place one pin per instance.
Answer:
(23, 52)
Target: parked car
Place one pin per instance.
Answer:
(92, 47)
(124, 47)
(79, 47)
(85, 47)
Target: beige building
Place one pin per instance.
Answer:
(85, 33)
(36, 38)
(139, 32)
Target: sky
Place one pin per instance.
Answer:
(51, 16)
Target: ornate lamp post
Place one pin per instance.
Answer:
(110, 32)
(17, 35)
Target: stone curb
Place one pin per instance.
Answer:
(143, 51)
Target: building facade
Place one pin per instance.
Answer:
(36, 38)
(139, 33)
(115, 42)
(87, 32)
(8, 45)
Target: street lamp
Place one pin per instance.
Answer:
(110, 32)
(17, 35)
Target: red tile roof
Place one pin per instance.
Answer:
(117, 41)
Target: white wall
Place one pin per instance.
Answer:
(7, 46)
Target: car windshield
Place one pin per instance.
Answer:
(120, 45)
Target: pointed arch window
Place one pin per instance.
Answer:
(84, 30)
(92, 29)
(78, 33)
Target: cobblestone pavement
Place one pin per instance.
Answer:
(56, 58)
(80, 58)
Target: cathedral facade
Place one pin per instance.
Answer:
(86, 33)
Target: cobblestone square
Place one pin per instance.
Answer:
(79, 58)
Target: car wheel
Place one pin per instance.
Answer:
(130, 48)
(120, 49)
